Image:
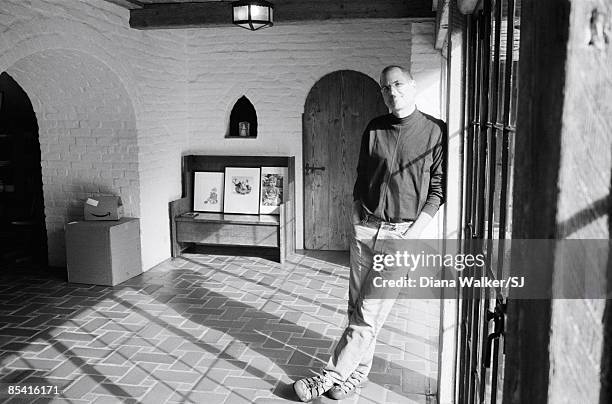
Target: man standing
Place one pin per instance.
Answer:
(399, 188)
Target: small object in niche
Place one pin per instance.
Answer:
(244, 129)
(191, 214)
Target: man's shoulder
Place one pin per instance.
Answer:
(434, 121)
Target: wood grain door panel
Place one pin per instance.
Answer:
(337, 110)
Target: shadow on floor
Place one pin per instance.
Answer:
(228, 326)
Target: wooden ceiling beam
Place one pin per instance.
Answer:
(218, 13)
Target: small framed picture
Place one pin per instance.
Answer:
(273, 188)
(241, 190)
(208, 191)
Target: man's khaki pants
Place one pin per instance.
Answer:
(367, 308)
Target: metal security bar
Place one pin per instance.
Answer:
(491, 97)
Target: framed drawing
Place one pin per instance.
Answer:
(273, 186)
(241, 190)
(208, 191)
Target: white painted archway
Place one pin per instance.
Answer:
(87, 132)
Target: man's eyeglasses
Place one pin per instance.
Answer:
(398, 85)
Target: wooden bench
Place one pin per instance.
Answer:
(275, 233)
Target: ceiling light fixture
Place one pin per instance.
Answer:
(252, 14)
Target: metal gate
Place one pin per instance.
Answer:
(491, 88)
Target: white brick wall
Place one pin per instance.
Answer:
(87, 136)
(133, 101)
(111, 106)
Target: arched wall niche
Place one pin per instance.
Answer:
(243, 119)
(87, 132)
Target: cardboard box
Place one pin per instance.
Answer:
(103, 252)
(103, 208)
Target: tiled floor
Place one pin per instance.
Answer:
(204, 329)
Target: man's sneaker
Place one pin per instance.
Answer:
(347, 388)
(312, 387)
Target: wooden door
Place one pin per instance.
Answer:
(337, 110)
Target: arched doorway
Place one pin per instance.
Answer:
(337, 110)
(88, 138)
(23, 237)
